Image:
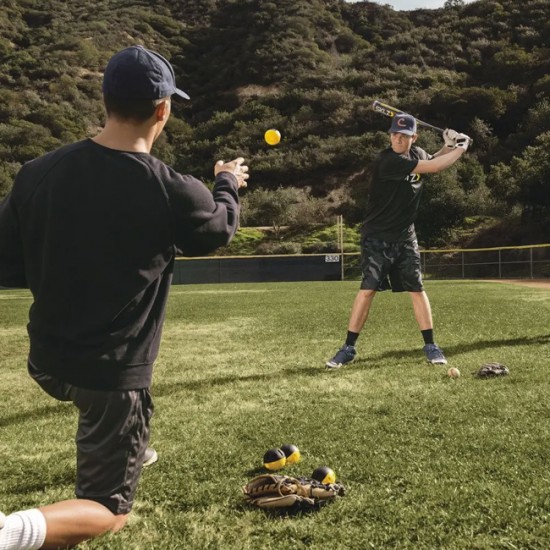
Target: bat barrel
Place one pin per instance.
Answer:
(421, 123)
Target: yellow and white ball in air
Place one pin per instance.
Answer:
(274, 459)
(292, 453)
(324, 474)
(272, 136)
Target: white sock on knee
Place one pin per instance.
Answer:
(23, 531)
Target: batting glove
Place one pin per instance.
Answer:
(450, 138)
(463, 141)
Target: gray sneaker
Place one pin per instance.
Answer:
(346, 354)
(150, 457)
(434, 355)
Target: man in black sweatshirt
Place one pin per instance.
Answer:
(93, 229)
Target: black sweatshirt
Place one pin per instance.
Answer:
(394, 195)
(93, 232)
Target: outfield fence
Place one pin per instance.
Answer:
(253, 269)
(507, 262)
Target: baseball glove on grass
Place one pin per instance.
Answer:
(289, 494)
(489, 370)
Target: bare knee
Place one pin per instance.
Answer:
(366, 291)
(418, 296)
(365, 295)
(108, 521)
(119, 522)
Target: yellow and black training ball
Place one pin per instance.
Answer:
(324, 474)
(292, 453)
(274, 459)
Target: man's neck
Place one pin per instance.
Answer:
(126, 137)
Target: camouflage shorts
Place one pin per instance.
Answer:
(394, 266)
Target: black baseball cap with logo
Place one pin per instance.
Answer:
(403, 124)
(138, 73)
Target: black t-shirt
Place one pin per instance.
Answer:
(93, 232)
(394, 195)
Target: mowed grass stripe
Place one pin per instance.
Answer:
(428, 462)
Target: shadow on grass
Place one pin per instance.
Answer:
(161, 389)
(257, 471)
(36, 414)
(297, 510)
(460, 349)
(40, 480)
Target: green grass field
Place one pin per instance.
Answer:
(428, 462)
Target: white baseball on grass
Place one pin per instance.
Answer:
(453, 372)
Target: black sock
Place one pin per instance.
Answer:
(351, 338)
(428, 335)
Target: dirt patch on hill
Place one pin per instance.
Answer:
(533, 283)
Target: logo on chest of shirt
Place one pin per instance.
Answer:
(414, 180)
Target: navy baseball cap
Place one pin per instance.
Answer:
(403, 124)
(137, 73)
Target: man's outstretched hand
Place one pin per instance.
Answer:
(235, 167)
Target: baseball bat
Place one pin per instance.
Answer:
(390, 111)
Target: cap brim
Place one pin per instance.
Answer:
(181, 93)
(406, 132)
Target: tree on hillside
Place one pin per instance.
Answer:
(443, 207)
(310, 68)
(532, 170)
(282, 207)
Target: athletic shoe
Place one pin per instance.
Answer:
(150, 457)
(2, 520)
(434, 355)
(346, 354)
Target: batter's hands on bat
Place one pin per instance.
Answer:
(463, 141)
(235, 167)
(462, 136)
(449, 136)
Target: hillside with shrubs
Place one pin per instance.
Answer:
(311, 69)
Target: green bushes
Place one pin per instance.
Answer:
(293, 239)
(311, 69)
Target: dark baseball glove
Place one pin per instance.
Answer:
(489, 370)
(289, 494)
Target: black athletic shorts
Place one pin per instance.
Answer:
(391, 265)
(112, 436)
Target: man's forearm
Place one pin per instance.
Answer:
(436, 164)
(443, 151)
